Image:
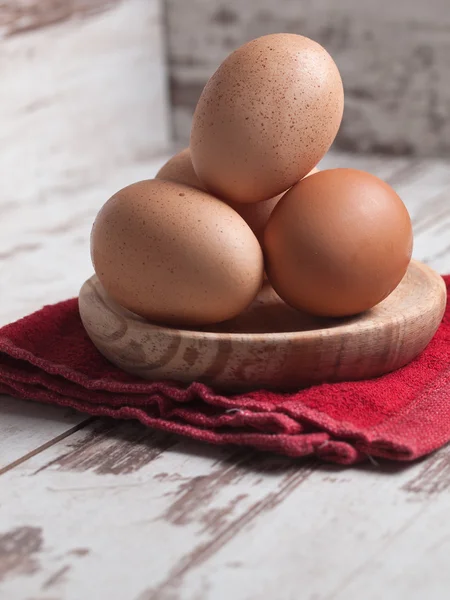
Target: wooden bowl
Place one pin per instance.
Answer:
(271, 345)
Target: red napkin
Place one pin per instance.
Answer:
(48, 357)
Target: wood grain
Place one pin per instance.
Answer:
(272, 345)
(83, 106)
(126, 450)
(434, 475)
(17, 16)
(105, 509)
(183, 494)
(202, 522)
(43, 425)
(18, 548)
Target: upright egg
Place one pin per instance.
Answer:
(176, 255)
(338, 243)
(179, 168)
(266, 117)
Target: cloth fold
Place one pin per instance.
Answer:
(48, 357)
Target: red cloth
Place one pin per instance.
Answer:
(48, 357)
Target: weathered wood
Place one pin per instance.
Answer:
(17, 16)
(44, 247)
(197, 522)
(279, 346)
(28, 427)
(393, 57)
(189, 488)
(352, 534)
(33, 267)
(137, 515)
(83, 106)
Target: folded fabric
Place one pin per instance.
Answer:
(47, 357)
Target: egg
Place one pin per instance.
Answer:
(179, 168)
(257, 214)
(266, 117)
(175, 254)
(338, 243)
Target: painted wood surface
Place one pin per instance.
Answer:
(17, 16)
(82, 100)
(27, 427)
(140, 516)
(114, 511)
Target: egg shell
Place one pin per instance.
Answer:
(266, 117)
(338, 243)
(257, 214)
(179, 168)
(176, 255)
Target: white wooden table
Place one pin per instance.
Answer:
(92, 509)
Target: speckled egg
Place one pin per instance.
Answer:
(266, 117)
(338, 243)
(176, 255)
(179, 168)
(257, 214)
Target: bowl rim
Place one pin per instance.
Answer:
(356, 326)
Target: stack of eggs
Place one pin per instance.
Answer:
(245, 201)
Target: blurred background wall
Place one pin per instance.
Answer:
(84, 83)
(394, 56)
(83, 92)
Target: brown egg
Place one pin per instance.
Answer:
(266, 117)
(175, 254)
(338, 243)
(179, 168)
(257, 214)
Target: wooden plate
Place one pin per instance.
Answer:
(272, 345)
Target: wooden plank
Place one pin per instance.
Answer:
(353, 534)
(17, 16)
(60, 86)
(39, 239)
(34, 272)
(144, 516)
(413, 563)
(26, 427)
(136, 502)
(80, 100)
